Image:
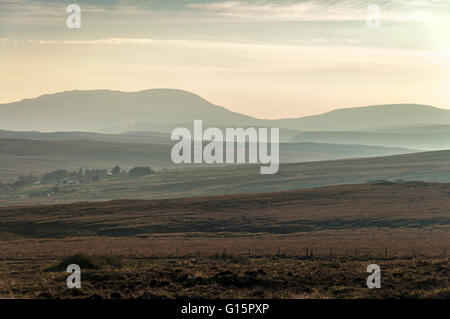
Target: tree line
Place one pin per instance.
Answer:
(75, 176)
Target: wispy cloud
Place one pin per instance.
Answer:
(246, 10)
(310, 10)
(205, 44)
(93, 42)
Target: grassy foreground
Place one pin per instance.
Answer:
(226, 276)
(314, 243)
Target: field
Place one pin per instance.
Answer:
(312, 243)
(231, 277)
(19, 156)
(235, 179)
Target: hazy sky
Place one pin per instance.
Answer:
(269, 59)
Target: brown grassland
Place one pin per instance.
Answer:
(313, 243)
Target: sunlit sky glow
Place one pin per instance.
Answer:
(269, 59)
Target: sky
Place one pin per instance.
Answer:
(268, 59)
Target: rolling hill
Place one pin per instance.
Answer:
(129, 137)
(163, 109)
(404, 205)
(96, 109)
(236, 179)
(19, 156)
(438, 139)
(370, 117)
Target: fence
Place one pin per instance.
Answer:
(307, 253)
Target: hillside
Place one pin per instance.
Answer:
(133, 136)
(129, 137)
(404, 205)
(312, 243)
(236, 179)
(40, 156)
(432, 138)
(96, 109)
(370, 117)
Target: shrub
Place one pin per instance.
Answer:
(88, 262)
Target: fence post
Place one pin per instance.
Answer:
(249, 251)
(306, 253)
(331, 252)
(385, 253)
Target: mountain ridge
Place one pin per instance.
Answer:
(118, 111)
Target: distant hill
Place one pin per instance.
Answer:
(424, 139)
(18, 156)
(236, 179)
(162, 109)
(95, 109)
(129, 137)
(370, 117)
(414, 129)
(161, 137)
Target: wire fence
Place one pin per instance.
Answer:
(307, 253)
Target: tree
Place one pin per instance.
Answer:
(116, 170)
(140, 171)
(54, 176)
(28, 179)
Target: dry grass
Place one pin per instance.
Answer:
(399, 206)
(226, 277)
(250, 245)
(228, 179)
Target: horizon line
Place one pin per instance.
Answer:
(217, 105)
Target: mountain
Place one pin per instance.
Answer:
(370, 117)
(163, 109)
(96, 109)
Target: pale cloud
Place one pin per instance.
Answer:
(116, 41)
(347, 10)
(219, 11)
(247, 55)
